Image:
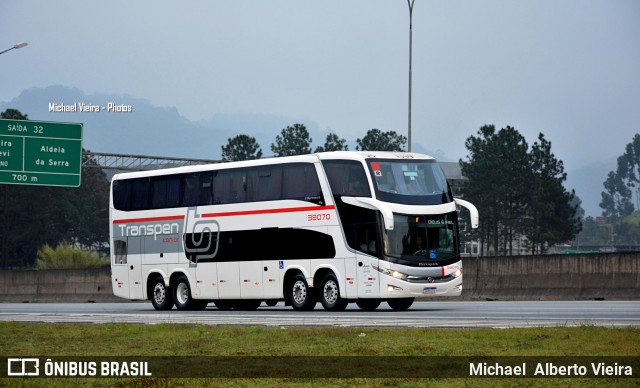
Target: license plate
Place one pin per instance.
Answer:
(429, 290)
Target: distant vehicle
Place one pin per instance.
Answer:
(334, 228)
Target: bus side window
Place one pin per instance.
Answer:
(264, 183)
(360, 227)
(300, 181)
(122, 194)
(197, 189)
(139, 194)
(347, 177)
(165, 192)
(206, 188)
(120, 249)
(229, 186)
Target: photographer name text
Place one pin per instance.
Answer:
(82, 107)
(549, 369)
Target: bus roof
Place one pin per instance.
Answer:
(363, 155)
(309, 158)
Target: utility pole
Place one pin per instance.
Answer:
(410, 3)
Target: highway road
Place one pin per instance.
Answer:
(493, 314)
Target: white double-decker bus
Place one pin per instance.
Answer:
(333, 228)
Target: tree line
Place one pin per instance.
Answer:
(296, 140)
(519, 192)
(619, 225)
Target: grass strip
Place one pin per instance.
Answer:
(120, 340)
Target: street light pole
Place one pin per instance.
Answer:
(15, 46)
(410, 3)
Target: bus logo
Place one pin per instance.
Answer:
(201, 243)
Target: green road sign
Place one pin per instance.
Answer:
(40, 153)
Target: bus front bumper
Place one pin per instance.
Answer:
(391, 287)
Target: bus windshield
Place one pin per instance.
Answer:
(420, 238)
(411, 182)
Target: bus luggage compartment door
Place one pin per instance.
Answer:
(228, 280)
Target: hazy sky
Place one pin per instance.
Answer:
(567, 68)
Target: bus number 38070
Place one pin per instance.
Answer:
(319, 217)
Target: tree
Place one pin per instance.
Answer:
(376, 140)
(617, 200)
(593, 234)
(90, 206)
(553, 211)
(293, 140)
(333, 143)
(497, 170)
(13, 114)
(241, 147)
(627, 231)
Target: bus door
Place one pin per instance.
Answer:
(120, 268)
(271, 263)
(126, 271)
(135, 253)
(368, 246)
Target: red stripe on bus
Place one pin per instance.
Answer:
(269, 211)
(443, 271)
(149, 219)
(229, 214)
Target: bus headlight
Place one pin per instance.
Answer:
(392, 273)
(392, 288)
(457, 274)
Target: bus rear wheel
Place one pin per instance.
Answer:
(300, 295)
(161, 296)
(400, 304)
(183, 298)
(329, 294)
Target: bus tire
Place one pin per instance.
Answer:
(300, 295)
(271, 302)
(329, 294)
(182, 295)
(400, 304)
(160, 295)
(368, 304)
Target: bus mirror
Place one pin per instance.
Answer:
(475, 218)
(372, 204)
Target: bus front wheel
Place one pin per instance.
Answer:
(400, 304)
(161, 296)
(300, 295)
